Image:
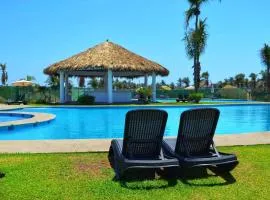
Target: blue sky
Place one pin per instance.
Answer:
(35, 34)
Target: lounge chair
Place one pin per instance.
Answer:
(194, 146)
(13, 102)
(141, 146)
(183, 98)
(19, 100)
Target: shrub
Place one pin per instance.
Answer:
(2, 100)
(195, 97)
(86, 100)
(233, 93)
(144, 93)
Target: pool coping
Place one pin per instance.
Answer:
(102, 145)
(34, 119)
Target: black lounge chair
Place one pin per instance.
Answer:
(183, 98)
(194, 146)
(19, 100)
(141, 146)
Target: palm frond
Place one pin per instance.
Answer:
(190, 13)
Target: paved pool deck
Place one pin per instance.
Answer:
(102, 145)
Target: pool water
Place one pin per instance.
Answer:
(173, 100)
(108, 122)
(7, 118)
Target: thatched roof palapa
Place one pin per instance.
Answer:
(105, 56)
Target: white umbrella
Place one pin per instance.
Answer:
(22, 83)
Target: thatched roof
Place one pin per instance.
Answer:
(105, 56)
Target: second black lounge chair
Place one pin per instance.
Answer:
(194, 146)
(141, 146)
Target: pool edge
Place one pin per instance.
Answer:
(102, 145)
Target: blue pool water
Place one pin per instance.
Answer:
(6, 118)
(172, 100)
(82, 123)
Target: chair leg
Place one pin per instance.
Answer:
(111, 157)
(115, 164)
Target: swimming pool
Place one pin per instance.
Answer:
(5, 117)
(108, 122)
(173, 100)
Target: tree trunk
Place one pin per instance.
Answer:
(196, 62)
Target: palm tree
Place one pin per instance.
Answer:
(82, 82)
(179, 83)
(195, 11)
(186, 81)
(195, 45)
(53, 81)
(265, 57)
(253, 78)
(205, 76)
(240, 80)
(4, 77)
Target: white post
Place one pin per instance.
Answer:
(154, 95)
(66, 87)
(109, 86)
(62, 95)
(145, 80)
(106, 82)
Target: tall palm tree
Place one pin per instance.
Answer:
(4, 77)
(265, 57)
(195, 41)
(195, 11)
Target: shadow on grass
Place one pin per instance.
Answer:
(201, 177)
(2, 175)
(159, 179)
(145, 179)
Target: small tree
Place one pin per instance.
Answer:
(265, 57)
(4, 77)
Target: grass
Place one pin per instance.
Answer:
(89, 176)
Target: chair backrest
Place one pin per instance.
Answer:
(144, 130)
(196, 131)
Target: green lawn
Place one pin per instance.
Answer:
(89, 176)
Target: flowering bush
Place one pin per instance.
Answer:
(144, 93)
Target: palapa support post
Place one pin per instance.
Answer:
(66, 87)
(109, 86)
(154, 91)
(145, 80)
(62, 90)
